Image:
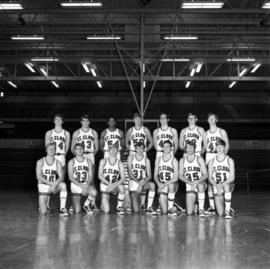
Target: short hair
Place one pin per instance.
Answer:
(166, 114)
(139, 145)
(190, 143)
(167, 142)
(212, 114)
(59, 115)
(221, 142)
(85, 116)
(192, 114)
(112, 118)
(50, 144)
(78, 145)
(137, 115)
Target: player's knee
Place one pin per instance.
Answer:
(152, 186)
(62, 186)
(121, 189)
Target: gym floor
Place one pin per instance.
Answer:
(29, 240)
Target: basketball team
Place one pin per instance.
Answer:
(133, 179)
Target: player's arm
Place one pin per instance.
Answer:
(128, 137)
(70, 174)
(181, 140)
(181, 172)
(148, 170)
(226, 139)
(204, 142)
(39, 175)
(73, 141)
(175, 173)
(67, 134)
(202, 132)
(232, 172)
(100, 172)
(47, 137)
(122, 174)
(122, 139)
(129, 161)
(210, 173)
(175, 140)
(150, 139)
(101, 140)
(155, 138)
(60, 174)
(90, 173)
(96, 144)
(156, 171)
(204, 170)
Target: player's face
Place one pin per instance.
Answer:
(113, 151)
(58, 121)
(220, 149)
(137, 121)
(140, 150)
(85, 123)
(167, 148)
(191, 120)
(212, 120)
(111, 123)
(163, 120)
(190, 149)
(79, 151)
(51, 150)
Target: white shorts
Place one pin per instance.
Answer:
(133, 185)
(61, 159)
(90, 156)
(45, 189)
(106, 155)
(209, 156)
(189, 188)
(165, 190)
(75, 189)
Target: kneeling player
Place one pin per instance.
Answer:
(80, 173)
(221, 176)
(166, 177)
(111, 173)
(193, 172)
(49, 174)
(139, 169)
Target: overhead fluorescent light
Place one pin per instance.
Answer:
(175, 60)
(103, 37)
(255, 67)
(202, 4)
(266, 5)
(144, 84)
(27, 37)
(6, 6)
(99, 84)
(243, 72)
(192, 72)
(30, 66)
(199, 67)
(240, 60)
(81, 4)
(55, 84)
(85, 67)
(93, 71)
(2, 94)
(180, 37)
(187, 84)
(12, 84)
(43, 71)
(232, 84)
(49, 59)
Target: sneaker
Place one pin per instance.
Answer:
(71, 210)
(210, 211)
(120, 211)
(158, 210)
(228, 215)
(128, 210)
(151, 211)
(201, 213)
(94, 208)
(88, 209)
(180, 208)
(143, 208)
(63, 212)
(171, 212)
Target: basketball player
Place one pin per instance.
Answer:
(164, 133)
(209, 140)
(193, 172)
(111, 174)
(111, 135)
(166, 177)
(138, 133)
(192, 133)
(139, 169)
(221, 176)
(49, 174)
(80, 173)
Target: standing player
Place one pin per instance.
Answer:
(164, 133)
(111, 173)
(49, 174)
(210, 138)
(80, 172)
(166, 177)
(139, 169)
(193, 172)
(221, 176)
(192, 133)
(138, 133)
(111, 135)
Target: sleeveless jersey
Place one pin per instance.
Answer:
(163, 135)
(49, 171)
(111, 172)
(221, 170)
(87, 139)
(80, 170)
(112, 138)
(137, 136)
(212, 138)
(165, 169)
(194, 136)
(138, 167)
(60, 140)
(192, 170)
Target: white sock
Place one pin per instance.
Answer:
(120, 200)
(88, 200)
(143, 197)
(211, 199)
(151, 196)
(63, 199)
(228, 198)
(201, 198)
(171, 197)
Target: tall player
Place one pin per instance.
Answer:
(164, 133)
(111, 135)
(192, 133)
(210, 138)
(139, 169)
(49, 174)
(193, 172)
(222, 176)
(166, 177)
(80, 172)
(111, 174)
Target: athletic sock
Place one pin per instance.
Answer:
(120, 200)
(143, 197)
(201, 198)
(151, 196)
(171, 197)
(63, 199)
(88, 200)
(228, 198)
(211, 199)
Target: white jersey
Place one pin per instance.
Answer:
(192, 169)
(112, 138)
(163, 135)
(60, 141)
(138, 167)
(212, 138)
(80, 170)
(221, 170)
(165, 169)
(111, 172)
(87, 139)
(137, 136)
(193, 136)
(49, 172)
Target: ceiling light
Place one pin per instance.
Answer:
(43, 71)
(55, 84)
(199, 67)
(187, 84)
(6, 6)
(85, 67)
(240, 60)
(103, 37)
(192, 72)
(255, 67)
(232, 84)
(93, 71)
(99, 84)
(30, 66)
(202, 4)
(12, 84)
(50, 59)
(2, 94)
(27, 37)
(144, 84)
(176, 60)
(243, 72)
(179, 37)
(266, 5)
(81, 4)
